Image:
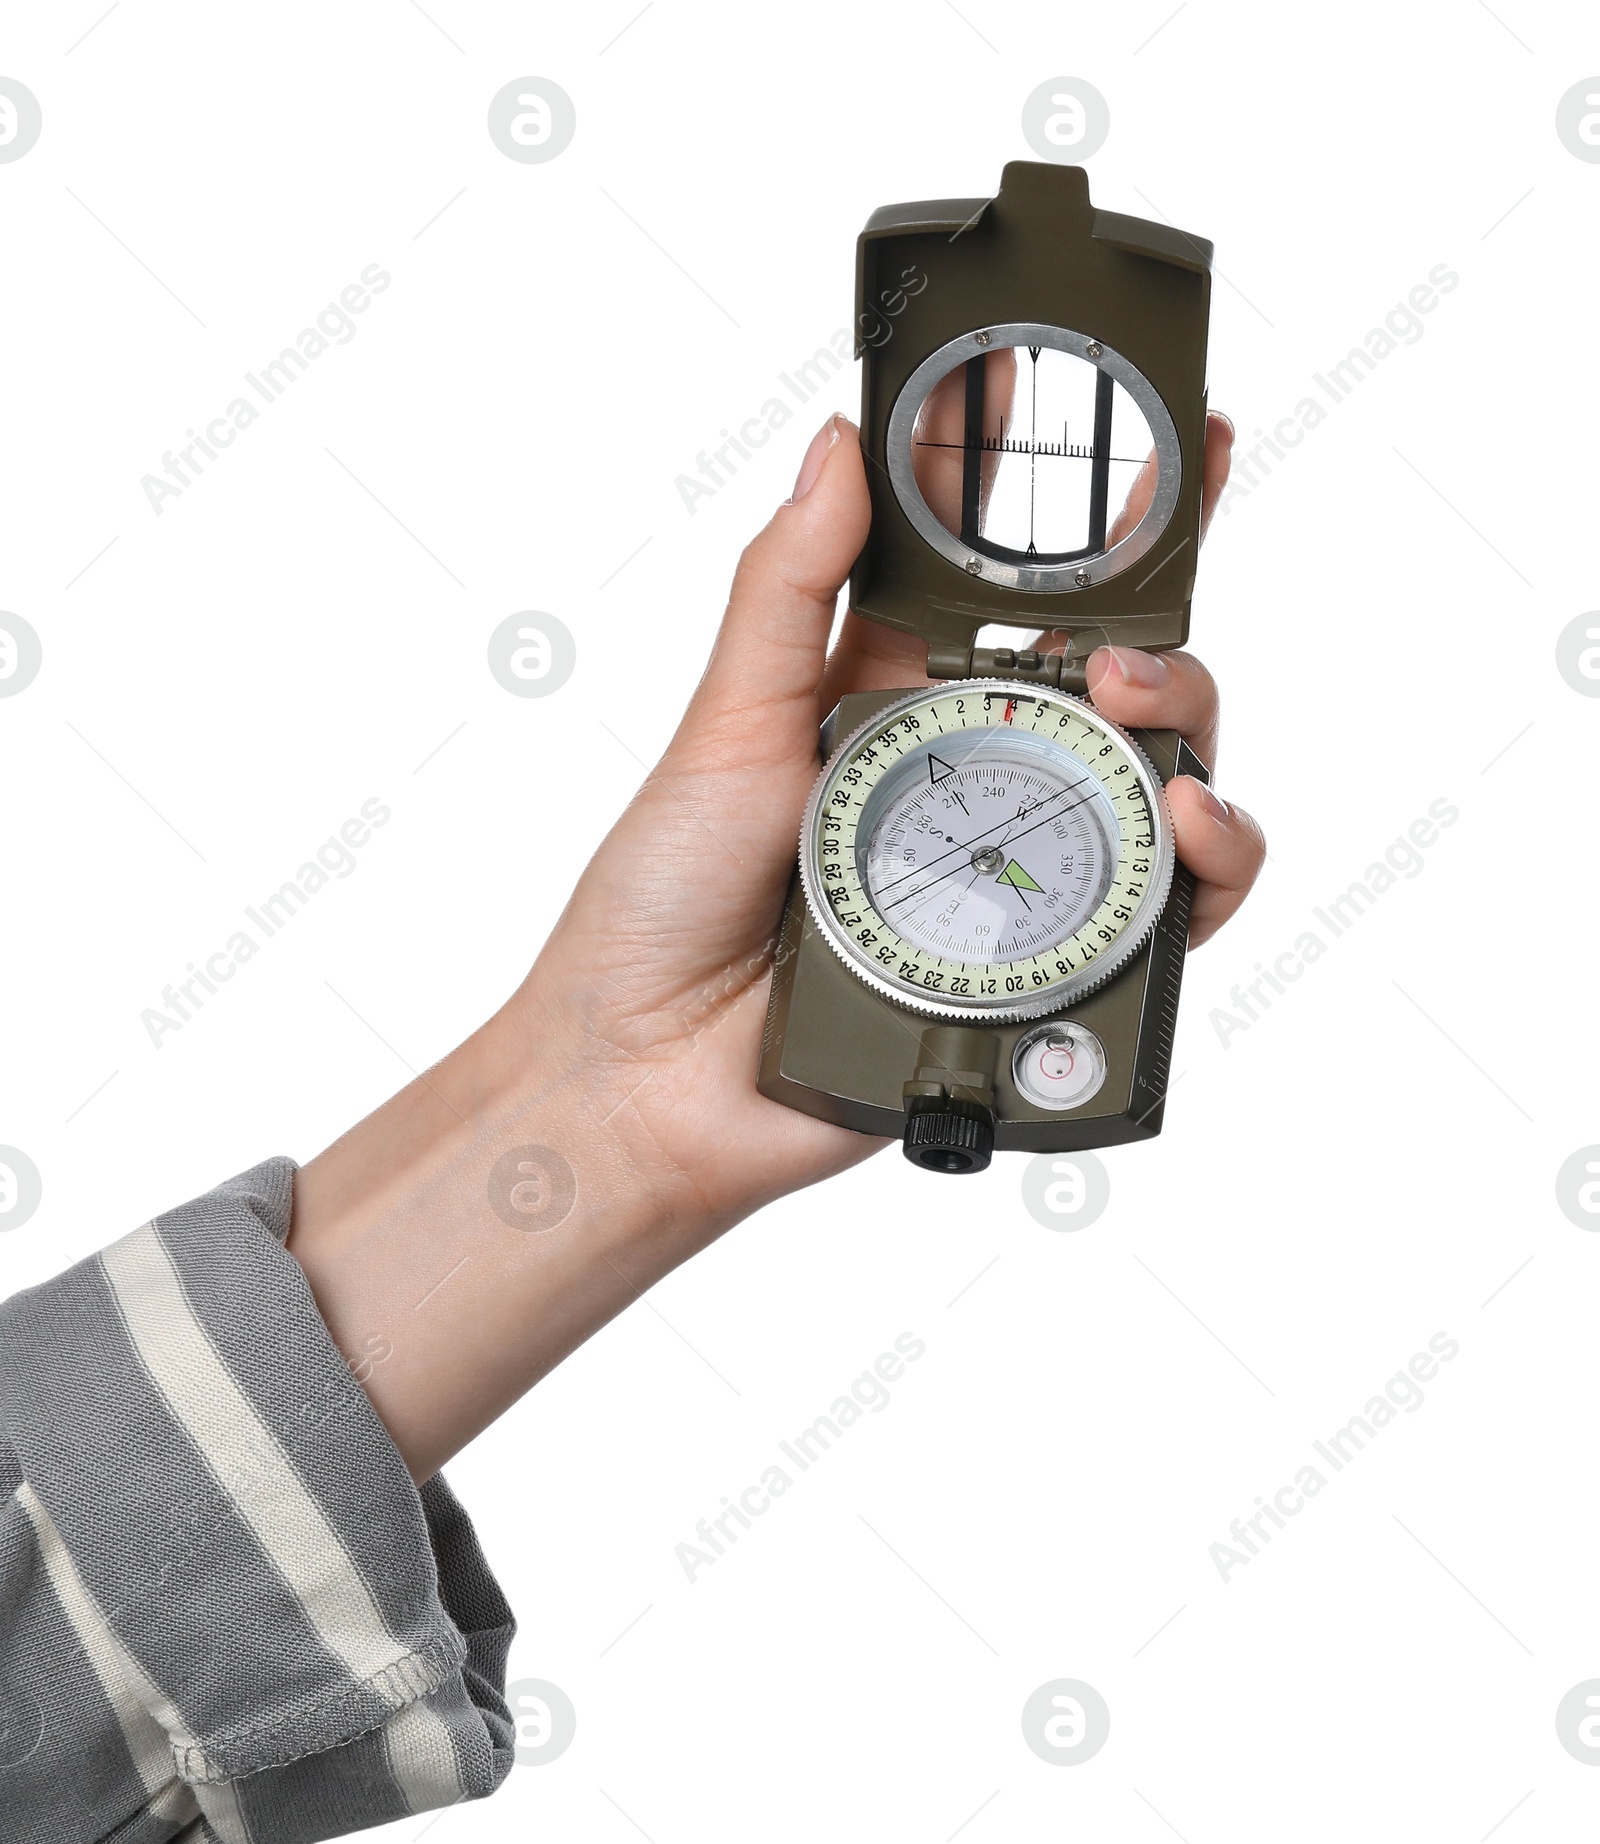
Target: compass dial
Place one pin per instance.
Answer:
(986, 847)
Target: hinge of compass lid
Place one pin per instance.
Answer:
(1061, 660)
(959, 661)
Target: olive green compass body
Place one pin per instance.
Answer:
(984, 941)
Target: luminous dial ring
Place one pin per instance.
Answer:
(986, 848)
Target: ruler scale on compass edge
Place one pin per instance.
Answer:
(983, 944)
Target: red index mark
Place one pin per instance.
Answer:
(1011, 707)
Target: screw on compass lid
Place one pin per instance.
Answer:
(948, 1136)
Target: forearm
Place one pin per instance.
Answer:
(446, 1310)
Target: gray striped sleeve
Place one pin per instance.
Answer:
(226, 1613)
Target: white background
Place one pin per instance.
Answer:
(1361, 1168)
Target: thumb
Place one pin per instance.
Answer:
(773, 642)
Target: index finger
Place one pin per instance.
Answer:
(1157, 691)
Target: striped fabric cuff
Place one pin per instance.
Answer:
(275, 1634)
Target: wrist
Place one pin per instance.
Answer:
(600, 1091)
(483, 1223)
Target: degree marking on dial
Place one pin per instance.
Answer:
(1096, 764)
(1029, 934)
(1010, 820)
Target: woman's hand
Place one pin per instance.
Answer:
(670, 931)
(622, 1073)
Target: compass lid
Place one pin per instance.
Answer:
(1031, 363)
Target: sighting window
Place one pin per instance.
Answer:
(1014, 450)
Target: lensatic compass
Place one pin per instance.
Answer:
(984, 944)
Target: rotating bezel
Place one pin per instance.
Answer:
(1056, 993)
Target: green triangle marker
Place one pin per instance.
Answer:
(1018, 878)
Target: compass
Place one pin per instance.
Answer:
(984, 943)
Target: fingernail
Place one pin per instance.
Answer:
(1218, 809)
(816, 454)
(1138, 668)
(1222, 416)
